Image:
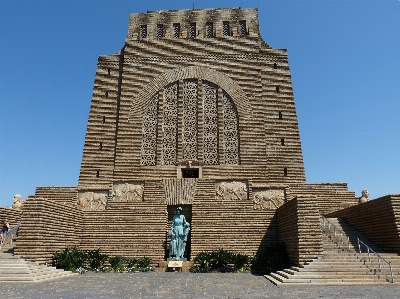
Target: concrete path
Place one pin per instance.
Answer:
(184, 285)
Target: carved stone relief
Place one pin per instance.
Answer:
(233, 190)
(219, 131)
(128, 191)
(92, 201)
(270, 199)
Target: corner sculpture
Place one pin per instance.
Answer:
(364, 196)
(17, 202)
(178, 234)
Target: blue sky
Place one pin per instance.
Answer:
(344, 58)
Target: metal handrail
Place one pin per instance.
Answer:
(359, 247)
(379, 257)
(334, 231)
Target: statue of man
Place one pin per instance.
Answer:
(17, 202)
(364, 196)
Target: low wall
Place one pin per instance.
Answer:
(47, 226)
(13, 216)
(60, 194)
(300, 229)
(379, 219)
(329, 197)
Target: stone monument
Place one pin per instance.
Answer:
(17, 202)
(195, 111)
(364, 196)
(179, 233)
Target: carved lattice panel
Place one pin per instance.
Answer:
(210, 124)
(170, 122)
(149, 133)
(231, 134)
(189, 132)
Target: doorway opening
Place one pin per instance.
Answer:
(190, 173)
(187, 212)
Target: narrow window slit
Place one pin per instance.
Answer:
(143, 31)
(209, 29)
(160, 30)
(177, 30)
(242, 28)
(192, 30)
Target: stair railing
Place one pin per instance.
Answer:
(327, 226)
(369, 250)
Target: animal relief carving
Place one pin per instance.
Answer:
(231, 191)
(128, 192)
(92, 201)
(268, 199)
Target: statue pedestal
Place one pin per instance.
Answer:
(175, 266)
(164, 267)
(176, 259)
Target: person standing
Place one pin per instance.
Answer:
(4, 231)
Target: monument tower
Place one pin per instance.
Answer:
(195, 111)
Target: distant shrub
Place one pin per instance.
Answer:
(117, 263)
(220, 261)
(69, 259)
(96, 260)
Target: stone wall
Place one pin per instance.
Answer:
(231, 224)
(135, 231)
(60, 194)
(47, 226)
(379, 219)
(330, 197)
(156, 78)
(300, 229)
(13, 216)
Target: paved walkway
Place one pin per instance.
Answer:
(183, 285)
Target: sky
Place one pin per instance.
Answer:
(344, 58)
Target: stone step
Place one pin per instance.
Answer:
(13, 268)
(338, 266)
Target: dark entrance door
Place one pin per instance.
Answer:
(189, 173)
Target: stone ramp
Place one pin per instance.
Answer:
(338, 265)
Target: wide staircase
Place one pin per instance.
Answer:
(342, 263)
(16, 269)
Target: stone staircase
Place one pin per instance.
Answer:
(340, 265)
(16, 269)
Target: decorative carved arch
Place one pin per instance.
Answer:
(238, 96)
